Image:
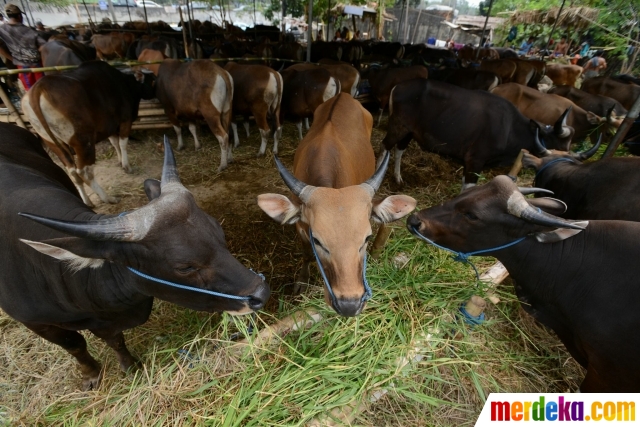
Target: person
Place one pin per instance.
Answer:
(526, 46)
(23, 43)
(337, 37)
(593, 66)
(562, 47)
(39, 26)
(357, 36)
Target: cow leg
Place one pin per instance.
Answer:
(276, 137)
(299, 126)
(192, 129)
(74, 344)
(86, 173)
(246, 126)
(306, 123)
(79, 183)
(124, 141)
(380, 241)
(466, 184)
(396, 168)
(178, 130)
(116, 342)
(381, 157)
(380, 116)
(114, 141)
(260, 115)
(236, 140)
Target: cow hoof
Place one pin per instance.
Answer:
(180, 147)
(300, 288)
(112, 200)
(91, 382)
(221, 168)
(128, 169)
(262, 154)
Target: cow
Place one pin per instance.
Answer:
(68, 269)
(468, 78)
(545, 108)
(197, 90)
(624, 93)
(493, 133)
(383, 80)
(503, 68)
(258, 92)
(105, 105)
(111, 46)
(348, 76)
(304, 91)
(563, 74)
(467, 54)
(578, 278)
(333, 183)
(65, 52)
(597, 104)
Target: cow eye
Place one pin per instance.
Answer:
(317, 243)
(186, 269)
(471, 216)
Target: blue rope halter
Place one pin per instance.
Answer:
(367, 289)
(189, 288)
(558, 160)
(464, 256)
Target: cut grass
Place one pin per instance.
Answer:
(192, 376)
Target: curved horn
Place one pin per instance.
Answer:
(295, 185)
(116, 229)
(542, 150)
(169, 169)
(518, 206)
(375, 181)
(560, 128)
(584, 155)
(609, 115)
(532, 190)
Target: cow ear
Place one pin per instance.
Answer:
(392, 208)
(549, 205)
(279, 207)
(78, 253)
(152, 188)
(594, 119)
(531, 161)
(559, 233)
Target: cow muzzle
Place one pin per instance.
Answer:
(348, 307)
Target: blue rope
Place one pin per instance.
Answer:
(561, 159)
(188, 288)
(368, 293)
(464, 256)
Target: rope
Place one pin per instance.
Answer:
(368, 293)
(561, 159)
(464, 256)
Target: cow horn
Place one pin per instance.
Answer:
(532, 190)
(375, 181)
(115, 229)
(584, 155)
(518, 206)
(296, 186)
(560, 128)
(542, 150)
(609, 115)
(169, 169)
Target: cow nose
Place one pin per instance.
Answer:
(259, 298)
(348, 307)
(413, 222)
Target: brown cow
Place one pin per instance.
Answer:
(105, 104)
(195, 90)
(111, 46)
(546, 108)
(563, 74)
(304, 91)
(467, 54)
(382, 81)
(503, 68)
(624, 93)
(349, 77)
(525, 71)
(258, 92)
(334, 181)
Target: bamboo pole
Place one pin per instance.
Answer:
(11, 108)
(309, 30)
(184, 34)
(553, 28)
(632, 115)
(415, 30)
(484, 28)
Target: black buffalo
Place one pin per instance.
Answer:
(578, 278)
(66, 268)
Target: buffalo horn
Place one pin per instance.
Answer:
(169, 169)
(116, 229)
(584, 155)
(375, 181)
(560, 128)
(517, 206)
(532, 190)
(295, 185)
(542, 150)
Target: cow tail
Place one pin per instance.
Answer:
(338, 86)
(275, 105)
(34, 100)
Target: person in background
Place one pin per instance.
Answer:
(593, 66)
(23, 43)
(562, 47)
(357, 36)
(526, 46)
(337, 36)
(39, 26)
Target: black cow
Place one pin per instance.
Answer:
(476, 128)
(597, 104)
(467, 78)
(578, 278)
(70, 270)
(606, 189)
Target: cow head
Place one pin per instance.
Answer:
(545, 157)
(171, 239)
(558, 136)
(490, 216)
(339, 221)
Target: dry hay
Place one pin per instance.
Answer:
(39, 381)
(569, 17)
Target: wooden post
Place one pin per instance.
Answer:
(184, 34)
(146, 19)
(484, 28)
(309, 30)
(12, 110)
(517, 167)
(553, 28)
(415, 30)
(632, 115)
